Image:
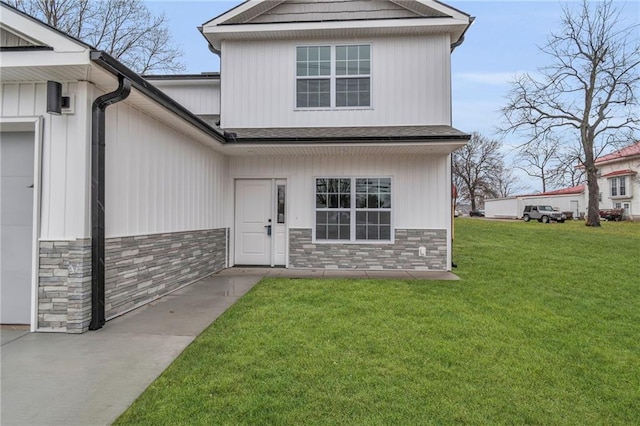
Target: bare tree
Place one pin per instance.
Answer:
(508, 184)
(538, 159)
(588, 90)
(476, 167)
(125, 29)
(567, 171)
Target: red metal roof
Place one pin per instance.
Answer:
(564, 191)
(620, 173)
(629, 151)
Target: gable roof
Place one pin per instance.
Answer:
(278, 19)
(316, 11)
(624, 153)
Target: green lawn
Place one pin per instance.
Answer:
(542, 328)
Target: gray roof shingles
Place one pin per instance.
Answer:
(347, 133)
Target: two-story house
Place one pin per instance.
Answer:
(324, 142)
(618, 180)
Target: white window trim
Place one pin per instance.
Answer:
(353, 210)
(618, 180)
(332, 78)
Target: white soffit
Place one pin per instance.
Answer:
(316, 149)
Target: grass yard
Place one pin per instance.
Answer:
(542, 328)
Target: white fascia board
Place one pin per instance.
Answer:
(240, 9)
(440, 7)
(43, 58)
(185, 83)
(266, 31)
(32, 29)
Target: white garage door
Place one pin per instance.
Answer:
(16, 225)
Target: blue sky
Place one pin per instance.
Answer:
(502, 42)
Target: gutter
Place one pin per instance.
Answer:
(127, 79)
(112, 65)
(233, 140)
(98, 124)
(461, 39)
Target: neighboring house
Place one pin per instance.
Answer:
(619, 182)
(567, 200)
(332, 150)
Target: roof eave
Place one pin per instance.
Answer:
(116, 68)
(215, 34)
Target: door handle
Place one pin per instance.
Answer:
(268, 229)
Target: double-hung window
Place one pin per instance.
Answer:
(313, 71)
(353, 209)
(618, 186)
(333, 76)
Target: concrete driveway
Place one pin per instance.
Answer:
(90, 379)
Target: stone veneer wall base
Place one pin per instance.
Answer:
(64, 286)
(138, 270)
(142, 268)
(402, 253)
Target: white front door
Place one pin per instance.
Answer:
(260, 222)
(254, 222)
(16, 226)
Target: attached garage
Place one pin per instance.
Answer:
(19, 195)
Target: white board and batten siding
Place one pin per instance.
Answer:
(147, 163)
(419, 184)
(9, 39)
(410, 84)
(65, 189)
(158, 180)
(201, 97)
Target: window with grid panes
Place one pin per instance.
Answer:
(373, 209)
(353, 81)
(333, 209)
(353, 209)
(333, 76)
(313, 71)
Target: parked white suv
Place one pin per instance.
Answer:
(543, 214)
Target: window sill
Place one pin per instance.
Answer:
(334, 109)
(367, 242)
(621, 197)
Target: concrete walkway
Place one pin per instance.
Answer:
(90, 379)
(341, 273)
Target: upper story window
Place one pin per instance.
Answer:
(333, 76)
(618, 186)
(313, 71)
